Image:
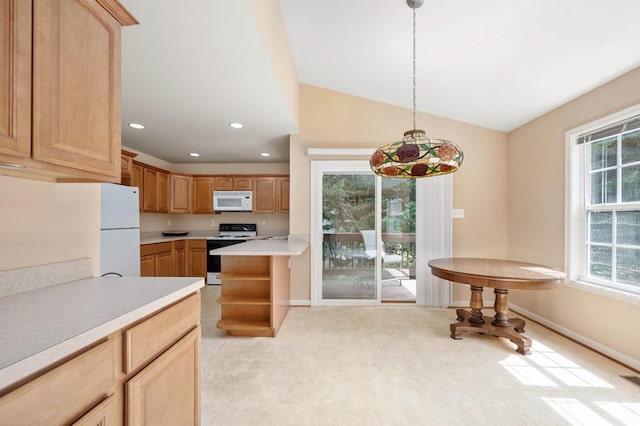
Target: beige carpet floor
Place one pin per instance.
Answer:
(397, 365)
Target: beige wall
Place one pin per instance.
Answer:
(330, 119)
(271, 24)
(43, 222)
(536, 207)
(198, 224)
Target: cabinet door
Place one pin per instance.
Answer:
(163, 192)
(137, 179)
(180, 194)
(264, 197)
(148, 266)
(197, 258)
(76, 86)
(126, 166)
(15, 79)
(242, 183)
(164, 265)
(282, 194)
(203, 194)
(167, 391)
(180, 260)
(150, 203)
(223, 183)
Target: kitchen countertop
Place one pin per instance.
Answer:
(163, 239)
(42, 326)
(264, 248)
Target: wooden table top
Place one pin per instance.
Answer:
(504, 274)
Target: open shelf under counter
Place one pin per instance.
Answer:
(254, 295)
(235, 300)
(246, 327)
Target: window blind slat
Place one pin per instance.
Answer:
(631, 123)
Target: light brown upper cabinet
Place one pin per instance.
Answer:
(233, 183)
(15, 80)
(126, 167)
(203, 194)
(156, 190)
(264, 197)
(137, 179)
(180, 199)
(271, 194)
(60, 88)
(282, 194)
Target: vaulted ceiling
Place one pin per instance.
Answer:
(190, 68)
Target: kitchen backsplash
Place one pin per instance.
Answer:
(268, 224)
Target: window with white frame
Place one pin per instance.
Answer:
(604, 215)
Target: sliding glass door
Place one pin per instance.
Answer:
(366, 228)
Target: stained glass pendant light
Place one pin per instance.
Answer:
(416, 155)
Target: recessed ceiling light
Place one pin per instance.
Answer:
(136, 126)
(265, 154)
(236, 125)
(194, 154)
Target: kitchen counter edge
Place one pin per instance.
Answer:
(264, 248)
(163, 239)
(174, 290)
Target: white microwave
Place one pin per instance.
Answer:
(232, 201)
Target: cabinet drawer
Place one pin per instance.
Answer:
(64, 393)
(152, 336)
(104, 414)
(147, 249)
(198, 244)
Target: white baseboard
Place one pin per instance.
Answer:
(592, 344)
(301, 302)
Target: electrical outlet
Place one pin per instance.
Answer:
(457, 213)
(169, 222)
(212, 223)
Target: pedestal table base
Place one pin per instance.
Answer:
(501, 326)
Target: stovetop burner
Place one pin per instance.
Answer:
(237, 230)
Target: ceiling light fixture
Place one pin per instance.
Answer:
(194, 154)
(136, 126)
(264, 154)
(416, 155)
(236, 125)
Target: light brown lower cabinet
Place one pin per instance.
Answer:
(175, 370)
(197, 259)
(180, 258)
(157, 260)
(121, 378)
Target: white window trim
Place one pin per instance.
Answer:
(575, 253)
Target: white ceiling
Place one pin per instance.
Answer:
(189, 70)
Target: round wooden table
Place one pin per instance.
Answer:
(502, 276)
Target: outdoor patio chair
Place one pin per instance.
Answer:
(369, 238)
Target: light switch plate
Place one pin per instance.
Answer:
(457, 213)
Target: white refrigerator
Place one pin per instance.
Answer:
(119, 231)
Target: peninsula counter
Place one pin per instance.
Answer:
(255, 288)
